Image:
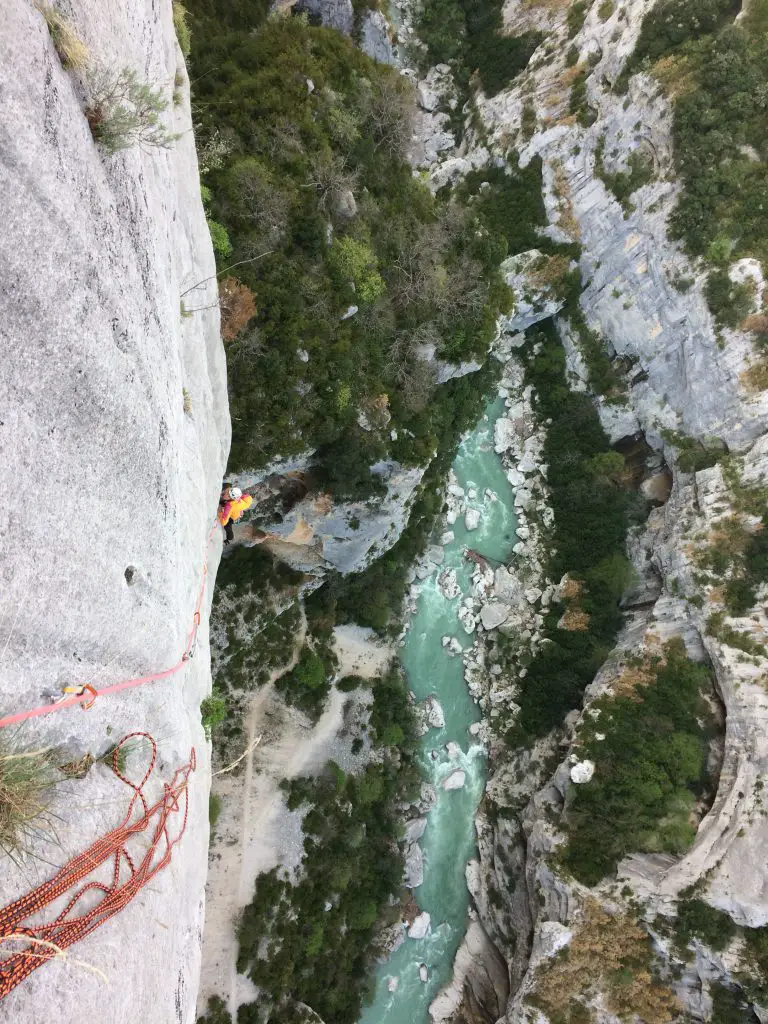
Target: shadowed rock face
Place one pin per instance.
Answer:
(109, 487)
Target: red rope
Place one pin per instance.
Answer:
(69, 927)
(89, 694)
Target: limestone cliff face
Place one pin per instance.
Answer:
(110, 484)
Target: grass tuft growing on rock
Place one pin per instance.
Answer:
(27, 778)
(73, 53)
(180, 24)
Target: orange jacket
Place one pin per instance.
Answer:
(233, 510)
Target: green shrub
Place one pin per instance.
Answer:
(577, 13)
(729, 1006)
(213, 711)
(697, 919)
(624, 183)
(350, 683)
(605, 10)
(467, 34)
(356, 261)
(124, 112)
(222, 246)
(672, 23)
(216, 1012)
(647, 769)
(729, 302)
(308, 684)
(214, 809)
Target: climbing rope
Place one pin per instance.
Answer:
(86, 694)
(45, 941)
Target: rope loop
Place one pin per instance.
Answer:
(47, 940)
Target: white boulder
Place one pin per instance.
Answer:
(420, 927)
(582, 772)
(455, 780)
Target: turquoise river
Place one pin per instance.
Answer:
(449, 840)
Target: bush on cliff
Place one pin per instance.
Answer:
(588, 542)
(649, 767)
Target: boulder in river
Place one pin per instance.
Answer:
(472, 518)
(424, 973)
(420, 927)
(448, 584)
(392, 984)
(455, 780)
(414, 829)
(414, 867)
(433, 712)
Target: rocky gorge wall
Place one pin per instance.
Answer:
(115, 433)
(681, 377)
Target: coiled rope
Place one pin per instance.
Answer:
(87, 694)
(44, 941)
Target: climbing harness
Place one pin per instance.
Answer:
(85, 694)
(44, 941)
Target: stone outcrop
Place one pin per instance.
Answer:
(111, 486)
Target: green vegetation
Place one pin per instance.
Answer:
(730, 302)
(124, 112)
(605, 375)
(467, 35)
(214, 809)
(181, 26)
(697, 919)
(577, 101)
(308, 684)
(720, 630)
(730, 1007)
(314, 189)
(577, 13)
(736, 556)
(624, 183)
(253, 605)
(672, 23)
(588, 540)
(294, 948)
(27, 778)
(648, 769)
(213, 711)
(217, 1012)
(716, 73)
(605, 10)
(693, 455)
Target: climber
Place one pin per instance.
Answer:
(232, 504)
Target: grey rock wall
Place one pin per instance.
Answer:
(109, 487)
